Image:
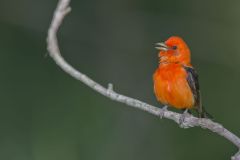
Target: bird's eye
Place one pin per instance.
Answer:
(174, 47)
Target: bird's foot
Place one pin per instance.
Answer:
(182, 118)
(163, 110)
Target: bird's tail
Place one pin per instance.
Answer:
(202, 113)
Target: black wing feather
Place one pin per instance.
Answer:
(192, 79)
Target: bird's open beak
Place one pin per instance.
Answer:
(162, 46)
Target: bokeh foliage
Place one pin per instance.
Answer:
(45, 114)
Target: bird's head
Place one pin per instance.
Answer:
(174, 50)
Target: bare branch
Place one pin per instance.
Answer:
(189, 121)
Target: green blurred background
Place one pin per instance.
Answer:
(45, 114)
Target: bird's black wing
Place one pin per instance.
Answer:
(192, 79)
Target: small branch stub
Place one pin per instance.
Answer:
(110, 87)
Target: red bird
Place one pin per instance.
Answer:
(175, 80)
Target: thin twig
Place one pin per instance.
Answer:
(189, 121)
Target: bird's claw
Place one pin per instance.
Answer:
(182, 118)
(163, 110)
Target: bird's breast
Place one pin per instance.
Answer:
(171, 86)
